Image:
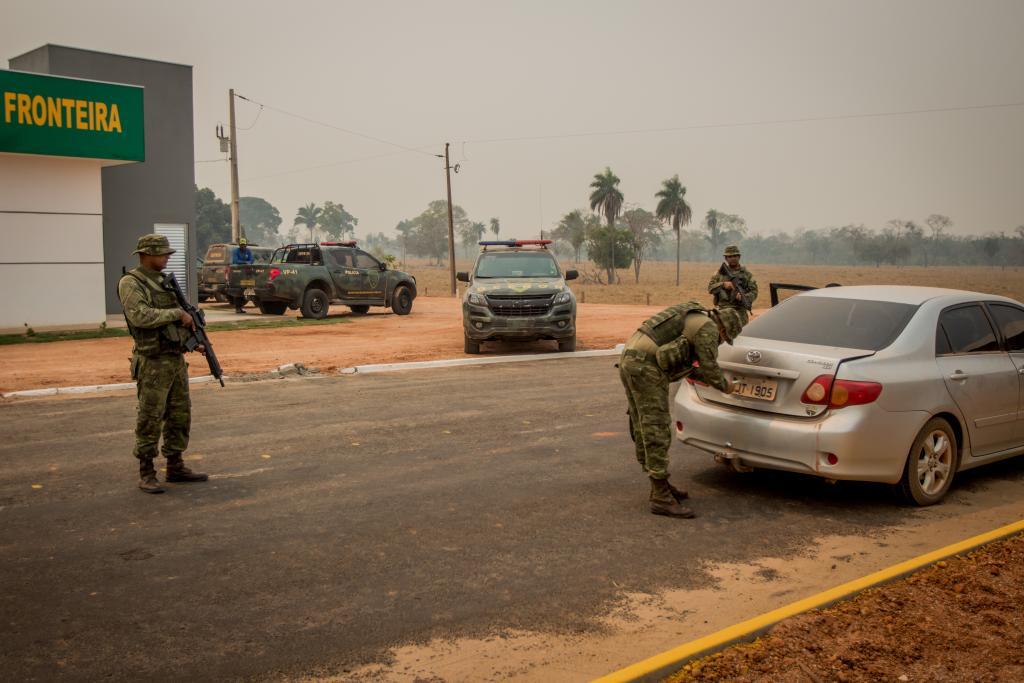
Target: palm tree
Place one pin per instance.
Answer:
(607, 199)
(405, 230)
(495, 226)
(308, 215)
(714, 236)
(672, 206)
(573, 229)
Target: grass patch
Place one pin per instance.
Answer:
(71, 335)
(103, 333)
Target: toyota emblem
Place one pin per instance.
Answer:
(753, 357)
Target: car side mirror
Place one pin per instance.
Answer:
(383, 266)
(462, 276)
(571, 275)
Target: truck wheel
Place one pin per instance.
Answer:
(361, 309)
(567, 344)
(470, 346)
(401, 301)
(272, 307)
(315, 304)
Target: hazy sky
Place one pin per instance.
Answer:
(422, 73)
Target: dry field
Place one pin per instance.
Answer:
(656, 280)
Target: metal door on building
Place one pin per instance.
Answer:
(177, 235)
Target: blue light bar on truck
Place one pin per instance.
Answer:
(514, 243)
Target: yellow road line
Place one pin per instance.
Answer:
(669, 661)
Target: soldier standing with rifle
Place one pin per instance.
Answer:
(162, 331)
(733, 286)
(663, 350)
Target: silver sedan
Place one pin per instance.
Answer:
(902, 385)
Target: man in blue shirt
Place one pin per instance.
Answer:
(241, 256)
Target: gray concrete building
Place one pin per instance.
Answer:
(156, 195)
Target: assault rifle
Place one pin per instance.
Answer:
(198, 337)
(737, 286)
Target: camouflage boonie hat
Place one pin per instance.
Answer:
(730, 320)
(154, 245)
(731, 250)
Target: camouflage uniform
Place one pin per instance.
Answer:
(660, 352)
(724, 298)
(158, 366)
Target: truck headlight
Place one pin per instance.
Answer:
(564, 298)
(477, 299)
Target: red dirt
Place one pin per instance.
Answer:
(432, 331)
(959, 620)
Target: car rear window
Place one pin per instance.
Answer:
(824, 321)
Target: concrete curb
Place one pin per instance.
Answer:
(458, 362)
(659, 666)
(90, 388)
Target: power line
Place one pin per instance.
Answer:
(335, 127)
(327, 165)
(768, 122)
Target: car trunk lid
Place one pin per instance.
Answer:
(773, 375)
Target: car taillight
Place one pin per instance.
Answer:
(274, 272)
(227, 271)
(824, 391)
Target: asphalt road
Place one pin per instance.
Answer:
(391, 509)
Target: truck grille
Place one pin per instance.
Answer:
(520, 305)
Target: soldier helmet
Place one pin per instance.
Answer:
(154, 245)
(729, 322)
(242, 241)
(731, 250)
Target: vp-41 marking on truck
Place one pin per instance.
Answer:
(310, 277)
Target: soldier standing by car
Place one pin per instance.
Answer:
(733, 286)
(241, 256)
(159, 328)
(661, 351)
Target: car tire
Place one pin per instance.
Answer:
(361, 309)
(401, 301)
(272, 307)
(931, 464)
(315, 304)
(567, 344)
(470, 346)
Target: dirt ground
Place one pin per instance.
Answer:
(657, 280)
(432, 331)
(959, 620)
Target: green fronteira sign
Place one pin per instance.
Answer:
(68, 117)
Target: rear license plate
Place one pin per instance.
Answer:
(762, 389)
(247, 283)
(249, 292)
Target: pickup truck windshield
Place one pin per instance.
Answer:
(516, 264)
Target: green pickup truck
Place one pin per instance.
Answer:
(310, 277)
(213, 279)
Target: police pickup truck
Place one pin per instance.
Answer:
(310, 277)
(517, 293)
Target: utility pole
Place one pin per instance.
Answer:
(451, 221)
(236, 231)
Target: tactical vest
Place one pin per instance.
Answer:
(668, 325)
(160, 340)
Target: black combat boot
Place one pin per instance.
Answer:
(679, 494)
(664, 503)
(177, 472)
(147, 477)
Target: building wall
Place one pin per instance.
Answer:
(51, 229)
(138, 196)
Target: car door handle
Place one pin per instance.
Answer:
(959, 375)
